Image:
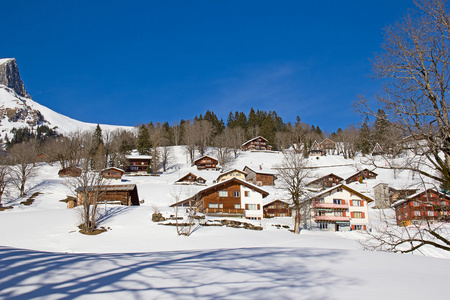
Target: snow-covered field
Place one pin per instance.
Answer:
(42, 254)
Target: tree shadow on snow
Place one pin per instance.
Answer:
(281, 273)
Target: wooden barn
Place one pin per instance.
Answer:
(70, 172)
(324, 182)
(257, 143)
(191, 179)
(260, 177)
(361, 175)
(231, 198)
(315, 150)
(276, 208)
(426, 206)
(206, 163)
(123, 194)
(112, 173)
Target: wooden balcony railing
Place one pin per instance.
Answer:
(331, 205)
(224, 211)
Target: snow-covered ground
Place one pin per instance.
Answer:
(42, 254)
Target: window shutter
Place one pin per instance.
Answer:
(344, 214)
(362, 202)
(353, 227)
(363, 215)
(351, 214)
(246, 206)
(364, 226)
(351, 202)
(259, 206)
(343, 201)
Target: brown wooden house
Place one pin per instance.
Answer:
(191, 179)
(328, 146)
(361, 175)
(430, 205)
(377, 150)
(70, 172)
(257, 143)
(206, 163)
(316, 150)
(138, 163)
(229, 198)
(324, 182)
(42, 157)
(276, 208)
(232, 173)
(124, 194)
(260, 177)
(112, 173)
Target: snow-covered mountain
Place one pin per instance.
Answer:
(17, 109)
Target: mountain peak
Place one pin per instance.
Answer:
(10, 77)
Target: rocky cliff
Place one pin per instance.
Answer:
(9, 76)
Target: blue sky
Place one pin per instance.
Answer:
(129, 62)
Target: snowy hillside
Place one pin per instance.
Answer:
(17, 109)
(42, 254)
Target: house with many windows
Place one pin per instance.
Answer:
(232, 173)
(324, 182)
(260, 177)
(191, 179)
(137, 163)
(233, 197)
(257, 143)
(276, 208)
(340, 208)
(425, 206)
(206, 163)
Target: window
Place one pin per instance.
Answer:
(415, 203)
(282, 215)
(236, 193)
(220, 205)
(356, 202)
(246, 193)
(213, 205)
(357, 214)
(358, 227)
(252, 207)
(223, 194)
(323, 225)
(337, 201)
(417, 213)
(237, 206)
(430, 213)
(321, 200)
(338, 214)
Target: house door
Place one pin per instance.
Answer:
(337, 227)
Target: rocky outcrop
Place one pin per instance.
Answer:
(9, 76)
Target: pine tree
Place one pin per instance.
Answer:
(364, 143)
(143, 141)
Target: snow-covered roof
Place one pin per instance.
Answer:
(344, 187)
(112, 168)
(266, 172)
(204, 156)
(254, 139)
(135, 155)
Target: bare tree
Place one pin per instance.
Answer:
(5, 180)
(237, 137)
(188, 217)
(204, 131)
(189, 139)
(222, 149)
(166, 153)
(293, 173)
(22, 168)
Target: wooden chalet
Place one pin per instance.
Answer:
(112, 173)
(206, 163)
(124, 194)
(328, 146)
(232, 173)
(377, 150)
(276, 208)
(340, 208)
(229, 198)
(42, 157)
(70, 172)
(257, 143)
(137, 163)
(260, 177)
(324, 182)
(191, 179)
(426, 206)
(315, 150)
(361, 175)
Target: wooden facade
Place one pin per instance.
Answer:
(230, 198)
(124, 194)
(70, 172)
(232, 173)
(191, 179)
(385, 195)
(377, 150)
(259, 177)
(206, 163)
(257, 143)
(426, 206)
(316, 150)
(138, 163)
(112, 173)
(276, 208)
(361, 175)
(324, 182)
(328, 146)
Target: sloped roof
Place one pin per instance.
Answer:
(344, 187)
(254, 139)
(230, 171)
(204, 157)
(273, 173)
(360, 172)
(112, 168)
(320, 178)
(185, 176)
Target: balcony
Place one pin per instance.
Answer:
(233, 211)
(331, 218)
(331, 205)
